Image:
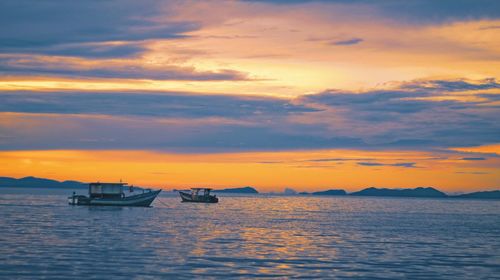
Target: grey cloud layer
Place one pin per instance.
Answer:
(451, 85)
(96, 31)
(416, 11)
(164, 105)
(179, 121)
(348, 42)
(399, 164)
(58, 27)
(27, 66)
(53, 27)
(405, 118)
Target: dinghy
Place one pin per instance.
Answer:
(195, 196)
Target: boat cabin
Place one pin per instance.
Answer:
(106, 190)
(198, 195)
(196, 191)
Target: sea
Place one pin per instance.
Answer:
(249, 236)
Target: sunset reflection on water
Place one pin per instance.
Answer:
(245, 236)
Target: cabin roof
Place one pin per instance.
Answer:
(107, 184)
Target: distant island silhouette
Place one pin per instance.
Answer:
(327, 192)
(417, 192)
(34, 182)
(482, 195)
(248, 190)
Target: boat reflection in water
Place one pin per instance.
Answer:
(112, 194)
(195, 196)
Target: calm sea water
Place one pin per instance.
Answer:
(249, 236)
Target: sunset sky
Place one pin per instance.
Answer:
(310, 95)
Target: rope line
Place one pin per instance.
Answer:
(161, 202)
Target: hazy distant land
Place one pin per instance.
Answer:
(34, 182)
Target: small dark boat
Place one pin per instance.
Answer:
(195, 196)
(112, 194)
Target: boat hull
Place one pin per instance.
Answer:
(139, 200)
(187, 197)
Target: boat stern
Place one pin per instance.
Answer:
(78, 200)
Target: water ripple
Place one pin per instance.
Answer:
(254, 236)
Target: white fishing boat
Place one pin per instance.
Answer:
(112, 194)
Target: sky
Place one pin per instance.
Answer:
(309, 95)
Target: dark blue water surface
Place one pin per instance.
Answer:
(246, 236)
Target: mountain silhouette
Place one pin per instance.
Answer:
(34, 182)
(417, 192)
(327, 192)
(482, 195)
(247, 190)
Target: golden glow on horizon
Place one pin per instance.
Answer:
(267, 171)
(487, 149)
(201, 87)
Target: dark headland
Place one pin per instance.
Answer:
(33, 182)
(482, 195)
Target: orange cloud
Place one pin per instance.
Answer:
(486, 149)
